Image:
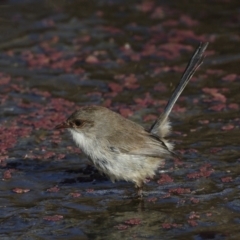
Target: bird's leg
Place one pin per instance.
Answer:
(140, 192)
(139, 187)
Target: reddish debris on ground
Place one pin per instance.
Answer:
(91, 59)
(53, 218)
(8, 174)
(21, 190)
(192, 223)
(75, 194)
(226, 179)
(205, 171)
(179, 190)
(122, 227)
(133, 221)
(149, 117)
(233, 106)
(53, 189)
(152, 199)
(230, 77)
(214, 71)
(90, 190)
(194, 215)
(177, 162)
(115, 87)
(194, 200)
(171, 225)
(228, 127)
(179, 109)
(130, 82)
(125, 112)
(204, 121)
(214, 92)
(166, 195)
(215, 150)
(192, 219)
(188, 21)
(165, 178)
(218, 107)
(159, 87)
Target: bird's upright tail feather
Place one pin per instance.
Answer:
(162, 127)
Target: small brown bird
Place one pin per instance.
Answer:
(120, 148)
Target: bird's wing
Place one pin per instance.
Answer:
(147, 145)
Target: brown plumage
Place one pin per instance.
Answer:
(120, 148)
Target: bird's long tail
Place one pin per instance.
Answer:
(161, 127)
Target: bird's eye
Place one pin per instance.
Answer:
(78, 123)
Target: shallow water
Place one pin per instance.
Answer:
(58, 55)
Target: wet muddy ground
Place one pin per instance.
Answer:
(56, 56)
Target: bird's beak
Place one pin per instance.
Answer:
(62, 125)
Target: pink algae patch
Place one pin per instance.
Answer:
(53, 218)
(233, 106)
(194, 200)
(146, 6)
(204, 121)
(91, 59)
(146, 101)
(205, 171)
(230, 77)
(115, 87)
(90, 190)
(194, 215)
(130, 82)
(179, 35)
(61, 156)
(214, 71)
(179, 109)
(215, 150)
(218, 107)
(178, 162)
(152, 199)
(192, 219)
(75, 194)
(192, 223)
(4, 79)
(172, 49)
(214, 92)
(165, 178)
(8, 174)
(127, 81)
(125, 112)
(166, 195)
(122, 227)
(53, 189)
(21, 190)
(170, 23)
(171, 225)
(149, 117)
(158, 13)
(228, 127)
(188, 21)
(111, 29)
(160, 87)
(133, 221)
(9, 137)
(179, 190)
(209, 214)
(129, 223)
(226, 179)
(49, 155)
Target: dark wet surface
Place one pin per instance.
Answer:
(127, 55)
